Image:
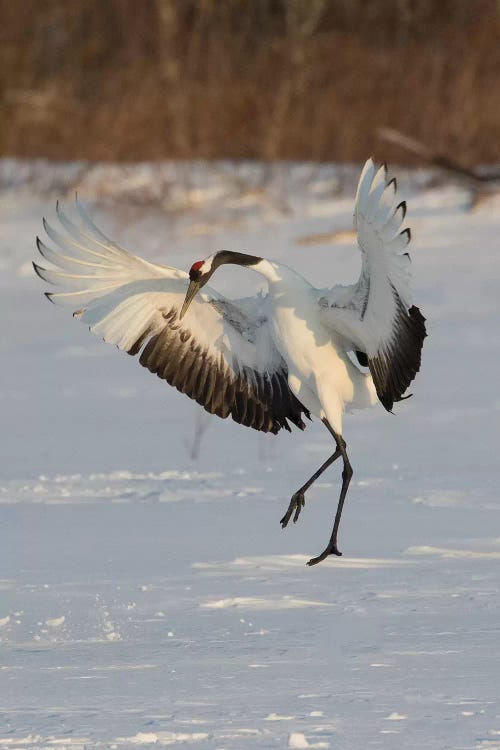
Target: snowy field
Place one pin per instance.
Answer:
(151, 599)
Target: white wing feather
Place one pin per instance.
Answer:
(134, 304)
(376, 315)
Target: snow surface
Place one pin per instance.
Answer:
(147, 599)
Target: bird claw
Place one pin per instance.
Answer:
(332, 549)
(296, 504)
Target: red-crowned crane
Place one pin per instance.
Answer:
(266, 360)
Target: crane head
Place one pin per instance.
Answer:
(199, 274)
(202, 270)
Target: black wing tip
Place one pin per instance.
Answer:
(407, 232)
(49, 297)
(415, 313)
(393, 372)
(402, 206)
(387, 402)
(38, 270)
(59, 211)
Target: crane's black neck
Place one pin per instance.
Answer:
(239, 259)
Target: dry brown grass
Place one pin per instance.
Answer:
(267, 79)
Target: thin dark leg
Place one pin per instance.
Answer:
(298, 500)
(331, 548)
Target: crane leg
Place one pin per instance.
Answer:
(331, 548)
(298, 500)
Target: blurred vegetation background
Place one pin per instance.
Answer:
(130, 80)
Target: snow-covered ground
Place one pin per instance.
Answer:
(147, 598)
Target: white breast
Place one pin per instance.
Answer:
(313, 353)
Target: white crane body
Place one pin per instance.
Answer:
(265, 360)
(320, 372)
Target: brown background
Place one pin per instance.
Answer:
(267, 79)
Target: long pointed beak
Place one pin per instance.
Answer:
(193, 289)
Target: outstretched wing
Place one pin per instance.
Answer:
(221, 354)
(376, 316)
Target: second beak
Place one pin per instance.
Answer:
(193, 289)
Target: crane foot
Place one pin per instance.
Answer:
(332, 549)
(296, 504)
